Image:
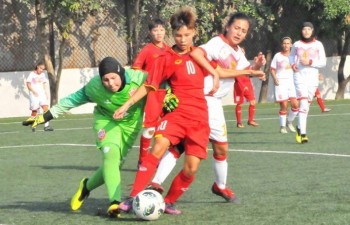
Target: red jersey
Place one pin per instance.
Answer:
(147, 55)
(186, 79)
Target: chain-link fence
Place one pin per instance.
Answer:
(98, 36)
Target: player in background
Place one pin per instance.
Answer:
(223, 49)
(307, 57)
(319, 97)
(243, 90)
(111, 89)
(38, 86)
(282, 74)
(154, 103)
(186, 79)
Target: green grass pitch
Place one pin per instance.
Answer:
(278, 181)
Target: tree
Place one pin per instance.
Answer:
(275, 18)
(60, 14)
(339, 11)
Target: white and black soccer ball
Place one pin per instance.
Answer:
(148, 205)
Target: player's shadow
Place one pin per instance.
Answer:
(87, 168)
(92, 207)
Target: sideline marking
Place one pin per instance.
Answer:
(230, 150)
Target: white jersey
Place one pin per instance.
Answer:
(219, 50)
(282, 66)
(313, 51)
(37, 82)
(284, 73)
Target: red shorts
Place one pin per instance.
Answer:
(193, 134)
(153, 107)
(243, 91)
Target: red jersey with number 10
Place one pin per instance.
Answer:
(186, 79)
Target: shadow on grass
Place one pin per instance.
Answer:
(92, 207)
(87, 168)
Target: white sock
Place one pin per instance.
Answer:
(283, 119)
(303, 112)
(220, 170)
(46, 124)
(292, 115)
(166, 165)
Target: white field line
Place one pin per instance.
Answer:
(318, 115)
(313, 105)
(231, 150)
(40, 129)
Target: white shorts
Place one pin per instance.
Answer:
(304, 91)
(285, 90)
(36, 102)
(217, 123)
(306, 83)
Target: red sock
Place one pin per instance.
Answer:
(251, 112)
(239, 113)
(320, 103)
(144, 174)
(144, 146)
(179, 185)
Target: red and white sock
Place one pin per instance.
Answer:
(220, 170)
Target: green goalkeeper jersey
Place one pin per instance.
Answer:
(106, 101)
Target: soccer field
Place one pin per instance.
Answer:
(278, 181)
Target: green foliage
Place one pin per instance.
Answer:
(335, 8)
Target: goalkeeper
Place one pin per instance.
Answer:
(114, 138)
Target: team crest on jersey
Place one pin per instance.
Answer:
(101, 134)
(132, 92)
(178, 61)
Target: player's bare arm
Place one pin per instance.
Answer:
(139, 94)
(274, 77)
(232, 73)
(259, 61)
(198, 56)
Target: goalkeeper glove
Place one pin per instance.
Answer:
(170, 101)
(40, 119)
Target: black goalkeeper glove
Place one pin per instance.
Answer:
(40, 119)
(170, 101)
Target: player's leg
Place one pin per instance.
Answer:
(293, 112)
(220, 166)
(146, 170)
(249, 95)
(152, 113)
(166, 165)
(281, 96)
(34, 106)
(195, 144)
(111, 176)
(238, 100)
(283, 116)
(251, 113)
(320, 101)
(294, 105)
(181, 184)
(302, 122)
(45, 108)
(218, 138)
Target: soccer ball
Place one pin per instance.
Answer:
(148, 205)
